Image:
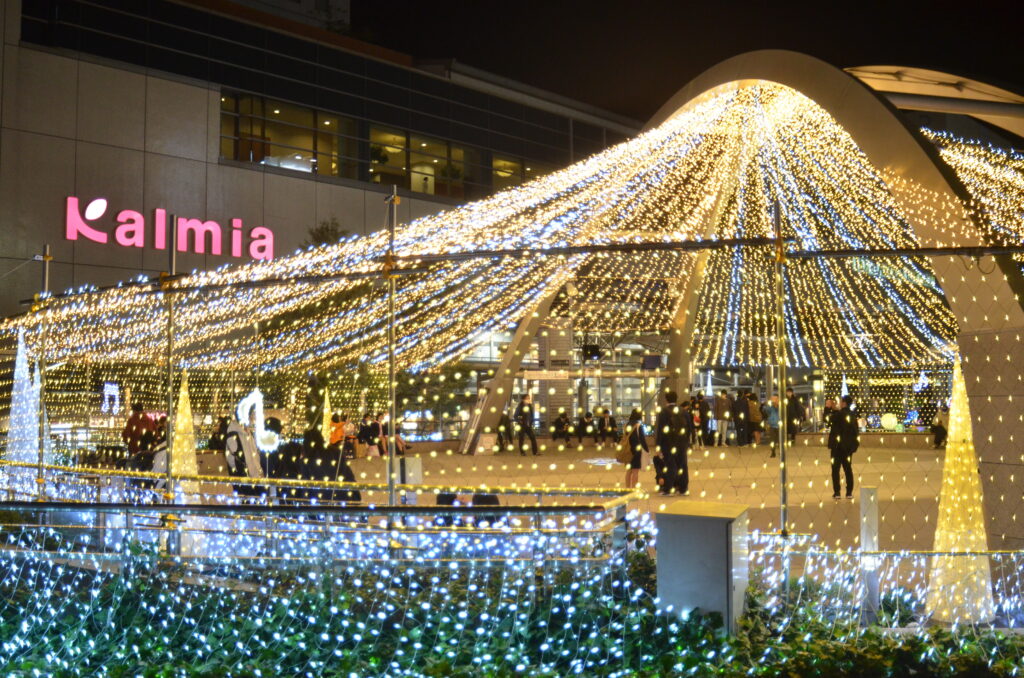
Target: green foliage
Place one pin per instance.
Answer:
(327, 232)
(157, 618)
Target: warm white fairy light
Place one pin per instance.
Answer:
(729, 157)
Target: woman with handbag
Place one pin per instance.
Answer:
(632, 448)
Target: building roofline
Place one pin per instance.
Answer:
(471, 76)
(452, 71)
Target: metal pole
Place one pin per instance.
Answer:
(780, 355)
(389, 264)
(172, 265)
(40, 476)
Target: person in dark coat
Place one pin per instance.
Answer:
(843, 441)
(795, 414)
(672, 440)
(741, 418)
(314, 462)
(704, 413)
(940, 427)
(586, 427)
(560, 427)
(723, 413)
(505, 432)
(365, 435)
(219, 439)
(524, 424)
(637, 441)
(607, 429)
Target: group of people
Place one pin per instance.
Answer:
(679, 425)
(750, 419)
(601, 429)
(313, 458)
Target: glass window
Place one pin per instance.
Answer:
(506, 172)
(337, 146)
(252, 145)
(428, 166)
(228, 127)
(535, 170)
(388, 161)
(288, 130)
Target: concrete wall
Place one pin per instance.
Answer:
(142, 140)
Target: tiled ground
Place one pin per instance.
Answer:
(907, 478)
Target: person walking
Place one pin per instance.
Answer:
(524, 424)
(723, 412)
(756, 418)
(844, 439)
(672, 440)
(741, 418)
(637, 441)
(795, 415)
(771, 420)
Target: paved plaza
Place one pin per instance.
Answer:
(907, 478)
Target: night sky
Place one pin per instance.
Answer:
(630, 56)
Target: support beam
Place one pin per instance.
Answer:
(955, 105)
(499, 388)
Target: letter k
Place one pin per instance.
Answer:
(75, 224)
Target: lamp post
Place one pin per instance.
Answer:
(780, 355)
(389, 265)
(172, 265)
(41, 472)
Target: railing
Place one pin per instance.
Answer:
(894, 589)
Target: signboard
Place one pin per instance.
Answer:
(193, 235)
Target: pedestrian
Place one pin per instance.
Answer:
(795, 415)
(337, 432)
(844, 439)
(377, 443)
(826, 414)
(636, 439)
(524, 424)
(400, 446)
(218, 441)
(350, 433)
(672, 440)
(364, 432)
(723, 412)
(560, 427)
(586, 427)
(741, 418)
(137, 425)
(607, 429)
(695, 420)
(940, 427)
(755, 418)
(704, 413)
(771, 419)
(505, 432)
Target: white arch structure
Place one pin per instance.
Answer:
(987, 308)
